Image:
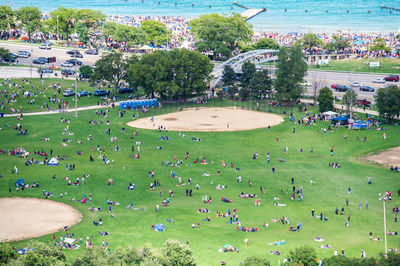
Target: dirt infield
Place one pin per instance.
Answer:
(390, 157)
(23, 218)
(210, 119)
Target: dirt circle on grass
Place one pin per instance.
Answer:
(23, 218)
(390, 157)
(210, 119)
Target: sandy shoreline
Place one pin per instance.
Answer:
(23, 218)
(210, 120)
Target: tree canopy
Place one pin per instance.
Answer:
(325, 100)
(219, 34)
(156, 32)
(303, 256)
(291, 69)
(388, 102)
(260, 85)
(309, 41)
(28, 18)
(380, 46)
(6, 18)
(67, 19)
(266, 43)
(128, 34)
(350, 99)
(337, 43)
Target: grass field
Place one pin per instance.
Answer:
(134, 227)
(40, 93)
(387, 65)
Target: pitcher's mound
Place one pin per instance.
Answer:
(210, 119)
(23, 218)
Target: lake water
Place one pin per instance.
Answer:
(363, 15)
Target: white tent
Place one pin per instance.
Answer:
(53, 162)
(146, 47)
(185, 45)
(329, 115)
(69, 241)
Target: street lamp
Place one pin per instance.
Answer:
(383, 198)
(76, 95)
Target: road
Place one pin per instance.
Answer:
(59, 53)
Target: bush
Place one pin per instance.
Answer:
(256, 261)
(303, 255)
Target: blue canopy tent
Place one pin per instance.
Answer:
(359, 124)
(341, 120)
(20, 183)
(159, 227)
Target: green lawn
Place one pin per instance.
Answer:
(387, 65)
(42, 92)
(133, 227)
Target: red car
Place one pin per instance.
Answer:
(392, 78)
(363, 103)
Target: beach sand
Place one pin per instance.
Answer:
(23, 218)
(210, 119)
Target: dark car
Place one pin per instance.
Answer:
(47, 70)
(72, 52)
(392, 78)
(68, 72)
(44, 59)
(10, 59)
(92, 52)
(84, 93)
(339, 87)
(75, 62)
(39, 62)
(101, 93)
(367, 88)
(77, 55)
(125, 90)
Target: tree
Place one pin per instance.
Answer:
(309, 41)
(128, 34)
(291, 69)
(4, 53)
(219, 33)
(350, 99)
(90, 18)
(29, 19)
(379, 46)
(124, 256)
(43, 254)
(325, 100)
(177, 253)
(228, 77)
(303, 255)
(6, 18)
(91, 257)
(344, 261)
(7, 254)
(260, 85)
(388, 102)
(67, 19)
(178, 73)
(109, 29)
(248, 72)
(86, 71)
(83, 32)
(111, 67)
(256, 261)
(266, 43)
(337, 43)
(156, 32)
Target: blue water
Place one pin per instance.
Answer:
(275, 19)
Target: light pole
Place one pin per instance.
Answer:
(76, 95)
(58, 31)
(383, 198)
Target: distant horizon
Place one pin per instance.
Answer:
(300, 15)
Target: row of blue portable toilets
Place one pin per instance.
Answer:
(138, 103)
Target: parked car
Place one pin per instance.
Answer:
(47, 70)
(74, 62)
(68, 93)
(392, 78)
(45, 46)
(68, 72)
(379, 80)
(101, 93)
(38, 62)
(363, 103)
(72, 52)
(92, 52)
(340, 87)
(84, 93)
(23, 54)
(306, 84)
(10, 59)
(44, 59)
(367, 88)
(77, 55)
(67, 64)
(125, 90)
(356, 84)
